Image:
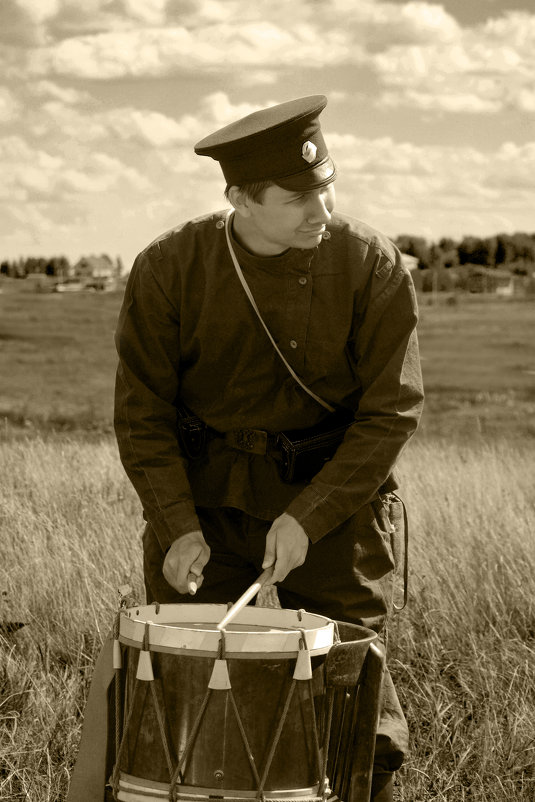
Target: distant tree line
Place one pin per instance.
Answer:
(57, 266)
(515, 252)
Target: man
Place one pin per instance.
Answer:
(340, 307)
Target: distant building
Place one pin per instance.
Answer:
(95, 267)
(95, 272)
(485, 279)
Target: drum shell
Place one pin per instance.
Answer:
(218, 758)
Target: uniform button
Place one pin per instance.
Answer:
(293, 344)
(220, 224)
(326, 235)
(302, 281)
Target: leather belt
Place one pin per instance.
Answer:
(258, 441)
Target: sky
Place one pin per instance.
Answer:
(430, 115)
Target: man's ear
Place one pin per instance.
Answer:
(240, 201)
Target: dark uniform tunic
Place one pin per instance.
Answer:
(344, 316)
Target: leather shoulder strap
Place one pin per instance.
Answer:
(252, 301)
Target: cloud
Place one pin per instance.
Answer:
(420, 54)
(38, 22)
(217, 108)
(379, 157)
(486, 69)
(161, 133)
(448, 101)
(37, 10)
(158, 52)
(65, 94)
(149, 129)
(513, 167)
(70, 123)
(26, 171)
(100, 173)
(61, 124)
(31, 173)
(524, 99)
(515, 27)
(156, 129)
(383, 24)
(10, 108)
(257, 78)
(22, 21)
(150, 12)
(440, 189)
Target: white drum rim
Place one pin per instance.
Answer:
(162, 624)
(131, 786)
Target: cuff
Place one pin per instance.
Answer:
(173, 522)
(311, 510)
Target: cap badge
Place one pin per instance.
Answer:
(308, 151)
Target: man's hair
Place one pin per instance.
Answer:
(253, 190)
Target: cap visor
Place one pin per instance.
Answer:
(318, 176)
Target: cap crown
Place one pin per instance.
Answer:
(283, 143)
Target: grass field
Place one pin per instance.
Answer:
(478, 361)
(58, 359)
(462, 654)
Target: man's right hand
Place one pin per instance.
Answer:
(185, 560)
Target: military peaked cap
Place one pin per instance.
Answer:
(283, 144)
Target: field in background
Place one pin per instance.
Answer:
(57, 362)
(462, 654)
(478, 363)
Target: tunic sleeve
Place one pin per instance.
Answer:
(385, 350)
(147, 383)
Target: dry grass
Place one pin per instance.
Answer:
(463, 654)
(69, 538)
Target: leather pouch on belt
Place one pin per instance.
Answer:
(305, 451)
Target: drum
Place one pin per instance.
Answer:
(235, 714)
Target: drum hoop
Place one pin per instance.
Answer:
(162, 625)
(132, 784)
(209, 655)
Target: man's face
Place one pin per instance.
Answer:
(286, 219)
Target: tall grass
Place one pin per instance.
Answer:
(69, 538)
(462, 654)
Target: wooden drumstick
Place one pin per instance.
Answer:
(249, 594)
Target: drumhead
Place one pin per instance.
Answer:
(255, 631)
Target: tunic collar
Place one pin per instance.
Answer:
(294, 260)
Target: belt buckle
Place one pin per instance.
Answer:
(254, 441)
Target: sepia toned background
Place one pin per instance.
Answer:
(431, 122)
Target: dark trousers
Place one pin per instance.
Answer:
(346, 576)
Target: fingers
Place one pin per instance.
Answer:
(184, 562)
(270, 553)
(194, 583)
(195, 577)
(276, 556)
(286, 547)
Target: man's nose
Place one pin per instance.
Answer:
(319, 209)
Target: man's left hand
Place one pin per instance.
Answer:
(286, 547)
